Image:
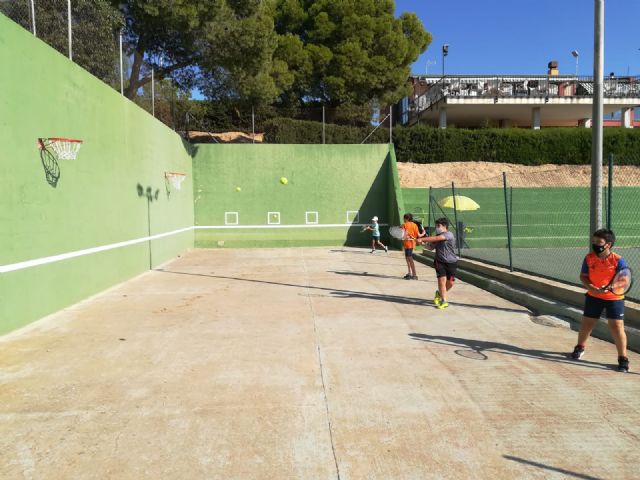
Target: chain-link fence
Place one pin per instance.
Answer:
(93, 33)
(538, 221)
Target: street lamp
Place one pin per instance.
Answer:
(445, 52)
(576, 55)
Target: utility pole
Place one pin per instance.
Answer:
(597, 117)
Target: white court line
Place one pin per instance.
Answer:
(560, 237)
(311, 225)
(88, 251)
(12, 267)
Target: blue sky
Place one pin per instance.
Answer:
(494, 36)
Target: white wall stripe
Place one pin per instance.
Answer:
(12, 267)
(78, 253)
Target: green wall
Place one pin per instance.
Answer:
(328, 179)
(95, 201)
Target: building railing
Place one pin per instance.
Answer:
(518, 86)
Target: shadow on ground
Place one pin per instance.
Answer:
(350, 293)
(482, 347)
(553, 469)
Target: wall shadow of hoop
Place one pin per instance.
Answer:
(51, 167)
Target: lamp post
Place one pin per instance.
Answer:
(576, 55)
(445, 52)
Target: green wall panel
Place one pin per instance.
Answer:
(95, 201)
(327, 179)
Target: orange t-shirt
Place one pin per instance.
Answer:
(412, 231)
(601, 271)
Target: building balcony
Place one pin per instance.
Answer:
(473, 101)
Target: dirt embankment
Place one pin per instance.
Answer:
(488, 174)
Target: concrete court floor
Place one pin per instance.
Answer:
(296, 364)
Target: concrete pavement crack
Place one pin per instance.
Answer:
(322, 376)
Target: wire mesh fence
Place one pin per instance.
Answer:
(94, 34)
(538, 221)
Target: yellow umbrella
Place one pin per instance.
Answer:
(462, 203)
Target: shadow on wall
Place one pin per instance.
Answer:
(374, 203)
(50, 166)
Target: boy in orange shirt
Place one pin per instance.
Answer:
(598, 269)
(409, 243)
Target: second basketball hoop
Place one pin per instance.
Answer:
(174, 179)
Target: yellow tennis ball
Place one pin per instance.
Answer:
(283, 180)
(238, 189)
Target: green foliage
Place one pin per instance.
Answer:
(347, 51)
(421, 144)
(286, 130)
(95, 32)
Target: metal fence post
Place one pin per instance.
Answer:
(33, 18)
(121, 67)
(323, 131)
(390, 123)
(429, 214)
(153, 94)
(455, 215)
(69, 31)
(610, 192)
(506, 211)
(253, 125)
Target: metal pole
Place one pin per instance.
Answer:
(455, 215)
(121, 67)
(153, 94)
(506, 210)
(323, 131)
(511, 210)
(33, 18)
(69, 32)
(253, 126)
(597, 118)
(390, 123)
(610, 192)
(429, 214)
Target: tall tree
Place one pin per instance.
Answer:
(348, 51)
(224, 47)
(164, 35)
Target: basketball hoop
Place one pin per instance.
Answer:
(175, 179)
(65, 148)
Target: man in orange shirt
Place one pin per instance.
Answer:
(409, 243)
(598, 269)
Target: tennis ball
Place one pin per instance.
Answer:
(283, 180)
(238, 189)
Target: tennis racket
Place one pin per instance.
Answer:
(400, 233)
(621, 282)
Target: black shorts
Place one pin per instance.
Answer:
(445, 269)
(593, 308)
(375, 238)
(408, 252)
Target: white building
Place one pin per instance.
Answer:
(473, 101)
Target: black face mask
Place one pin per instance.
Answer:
(597, 248)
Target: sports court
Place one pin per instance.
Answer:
(180, 310)
(308, 363)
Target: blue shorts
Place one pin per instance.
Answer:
(408, 252)
(376, 237)
(593, 308)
